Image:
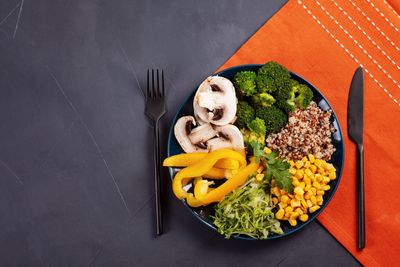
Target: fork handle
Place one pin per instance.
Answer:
(157, 179)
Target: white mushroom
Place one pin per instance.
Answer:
(193, 140)
(215, 101)
(229, 136)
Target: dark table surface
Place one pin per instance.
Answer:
(76, 184)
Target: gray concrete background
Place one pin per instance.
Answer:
(76, 183)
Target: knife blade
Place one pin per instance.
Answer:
(355, 123)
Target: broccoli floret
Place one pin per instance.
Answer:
(263, 100)
(271, 77)
(274, 118)
(249, 136)
(293, 96)
(245, 83)
(245, 114)
(257, 126)
(304, 95)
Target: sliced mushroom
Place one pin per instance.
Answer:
(202, 134)
(229, 136)
(193, 139)
(215, 101)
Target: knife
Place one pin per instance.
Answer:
(355, 123)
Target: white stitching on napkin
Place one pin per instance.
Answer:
(358, 44)
(373, 24)
(369, 38)
(391, 8)
(349, 53)
(382, 15)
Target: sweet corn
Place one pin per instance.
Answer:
(284, 199)
(299, 211)
(293, 222)
(294, 203)
(299, 174)
(314, 208)
(299, 164)
(288, 209)
(279, 214)
(304, 203)
(267, 150)
(307, 164)
(298, 190)
(303, 217)
(313, 168)
(259, 177)
(310, 179)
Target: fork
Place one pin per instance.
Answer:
(155, 109)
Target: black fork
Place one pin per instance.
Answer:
(155, 109)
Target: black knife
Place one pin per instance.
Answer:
(355, 123)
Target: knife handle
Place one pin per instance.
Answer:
(361, 202)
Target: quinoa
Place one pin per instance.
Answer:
(308, 131)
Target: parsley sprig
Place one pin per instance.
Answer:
(276, 167)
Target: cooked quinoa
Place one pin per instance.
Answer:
(308, 131)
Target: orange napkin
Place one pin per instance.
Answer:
(325, 41)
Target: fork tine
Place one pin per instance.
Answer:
(148, 85)
(162, 84)
(158, 85)
(153, 95)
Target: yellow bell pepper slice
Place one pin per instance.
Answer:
(205, 196)
(201, 167)
(215, 173)
(187, 159)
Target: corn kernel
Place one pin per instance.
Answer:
(299, 164)
(282, 205)
(307, 181)
(316, 185)
(314, 208)
(276, 191)
(292, 171)
(288, 209)
(307, 164)
(298, 190)
(326, 180)
(293, 222)
(299, 174)
(313, 168)
(307, 188)
(294, 215)
(313, 190)
(295, 203)
(295, 182)
(303, 217)
(320, 202)
(311, 158)
(298, 197)
(308, 195)
(302, 185)
(308, 172)
(313, 200)
(284, 199)
(319, 198)
(267, 150)
(259, 177)
(332, 175)
(304, 203)
(283, 192)
(291, 162)
(320, 192)
(304, 159)
(299, 211)
(309, 203)
(279, 214)
(321, 170)
(326, 187)
(275, 200)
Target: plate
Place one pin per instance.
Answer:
(203, 213)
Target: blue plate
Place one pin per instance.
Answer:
(203, 213)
